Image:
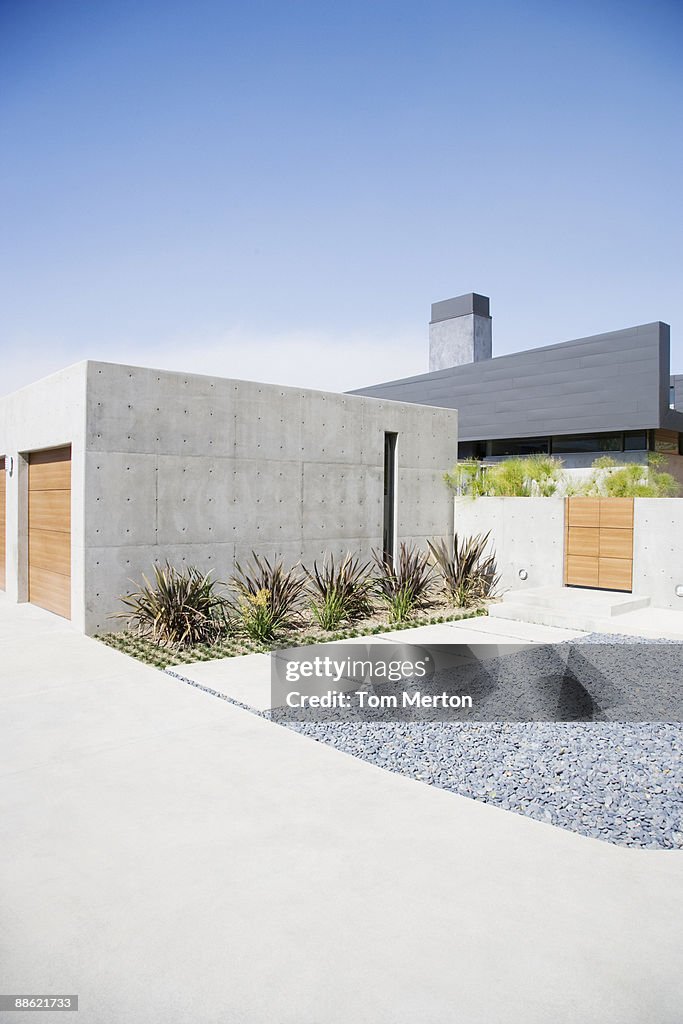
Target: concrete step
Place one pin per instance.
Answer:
(568, 601)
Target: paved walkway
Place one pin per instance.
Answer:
(247, 679)
(172, 858)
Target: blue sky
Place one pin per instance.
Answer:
(280, 190)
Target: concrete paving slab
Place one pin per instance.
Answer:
(650, 623)
(445, 633)
(246, 679)
(234, 870)
(513, 630)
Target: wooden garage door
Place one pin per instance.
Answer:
(49, 530)
(599, 543)
(3, 523)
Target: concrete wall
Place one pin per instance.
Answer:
(202, 470)
(658, 550)
(48, 414)
(528, 533)
(461, 340)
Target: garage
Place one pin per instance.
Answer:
(3, 524)
(49, 530)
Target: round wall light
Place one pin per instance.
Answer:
(679, 590)
(523, 574)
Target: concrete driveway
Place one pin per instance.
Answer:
(170, 857)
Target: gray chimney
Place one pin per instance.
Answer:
(459, 331)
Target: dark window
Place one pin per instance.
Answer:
(389, 531)
(472, 450)
(672, 396)
(577, 443)
(520, 446)
(635, 441)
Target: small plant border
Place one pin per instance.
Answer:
(149, 653)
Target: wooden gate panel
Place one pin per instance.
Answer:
(616, 513)
(584, 541)
(615, 574)
(583, 512)
(583, 571)
(599, 543)
(616, 543)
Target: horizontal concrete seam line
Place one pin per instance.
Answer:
(511, 636)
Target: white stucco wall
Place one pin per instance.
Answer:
(47, 414)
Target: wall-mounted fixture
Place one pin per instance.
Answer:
(679, 590)
(523, 574)
(9, 465)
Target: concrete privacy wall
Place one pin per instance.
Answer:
(658, 550)
(202, 471)
(528, 534)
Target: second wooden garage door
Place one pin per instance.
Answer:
(3, 523)
(49, 530)
(599, 543)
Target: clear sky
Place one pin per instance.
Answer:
(279, 190)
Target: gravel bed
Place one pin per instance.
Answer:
(620, 782)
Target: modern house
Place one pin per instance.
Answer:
(609, 393)
(111, 468)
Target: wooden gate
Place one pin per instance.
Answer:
(598, 548)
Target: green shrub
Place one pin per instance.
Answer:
(466, 478)
(405, 584)
(612, 479)
(515, 477)
(469, 573)
(180, 608)
(268, 598)
(339, 591)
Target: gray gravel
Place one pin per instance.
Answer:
(620, 782)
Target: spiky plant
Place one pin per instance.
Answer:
(469, 573)
(269, 598)
(339, 590)
(404, 584)
(180, 608)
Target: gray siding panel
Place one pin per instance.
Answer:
(607, 382)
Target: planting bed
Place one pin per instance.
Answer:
(235, 644)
